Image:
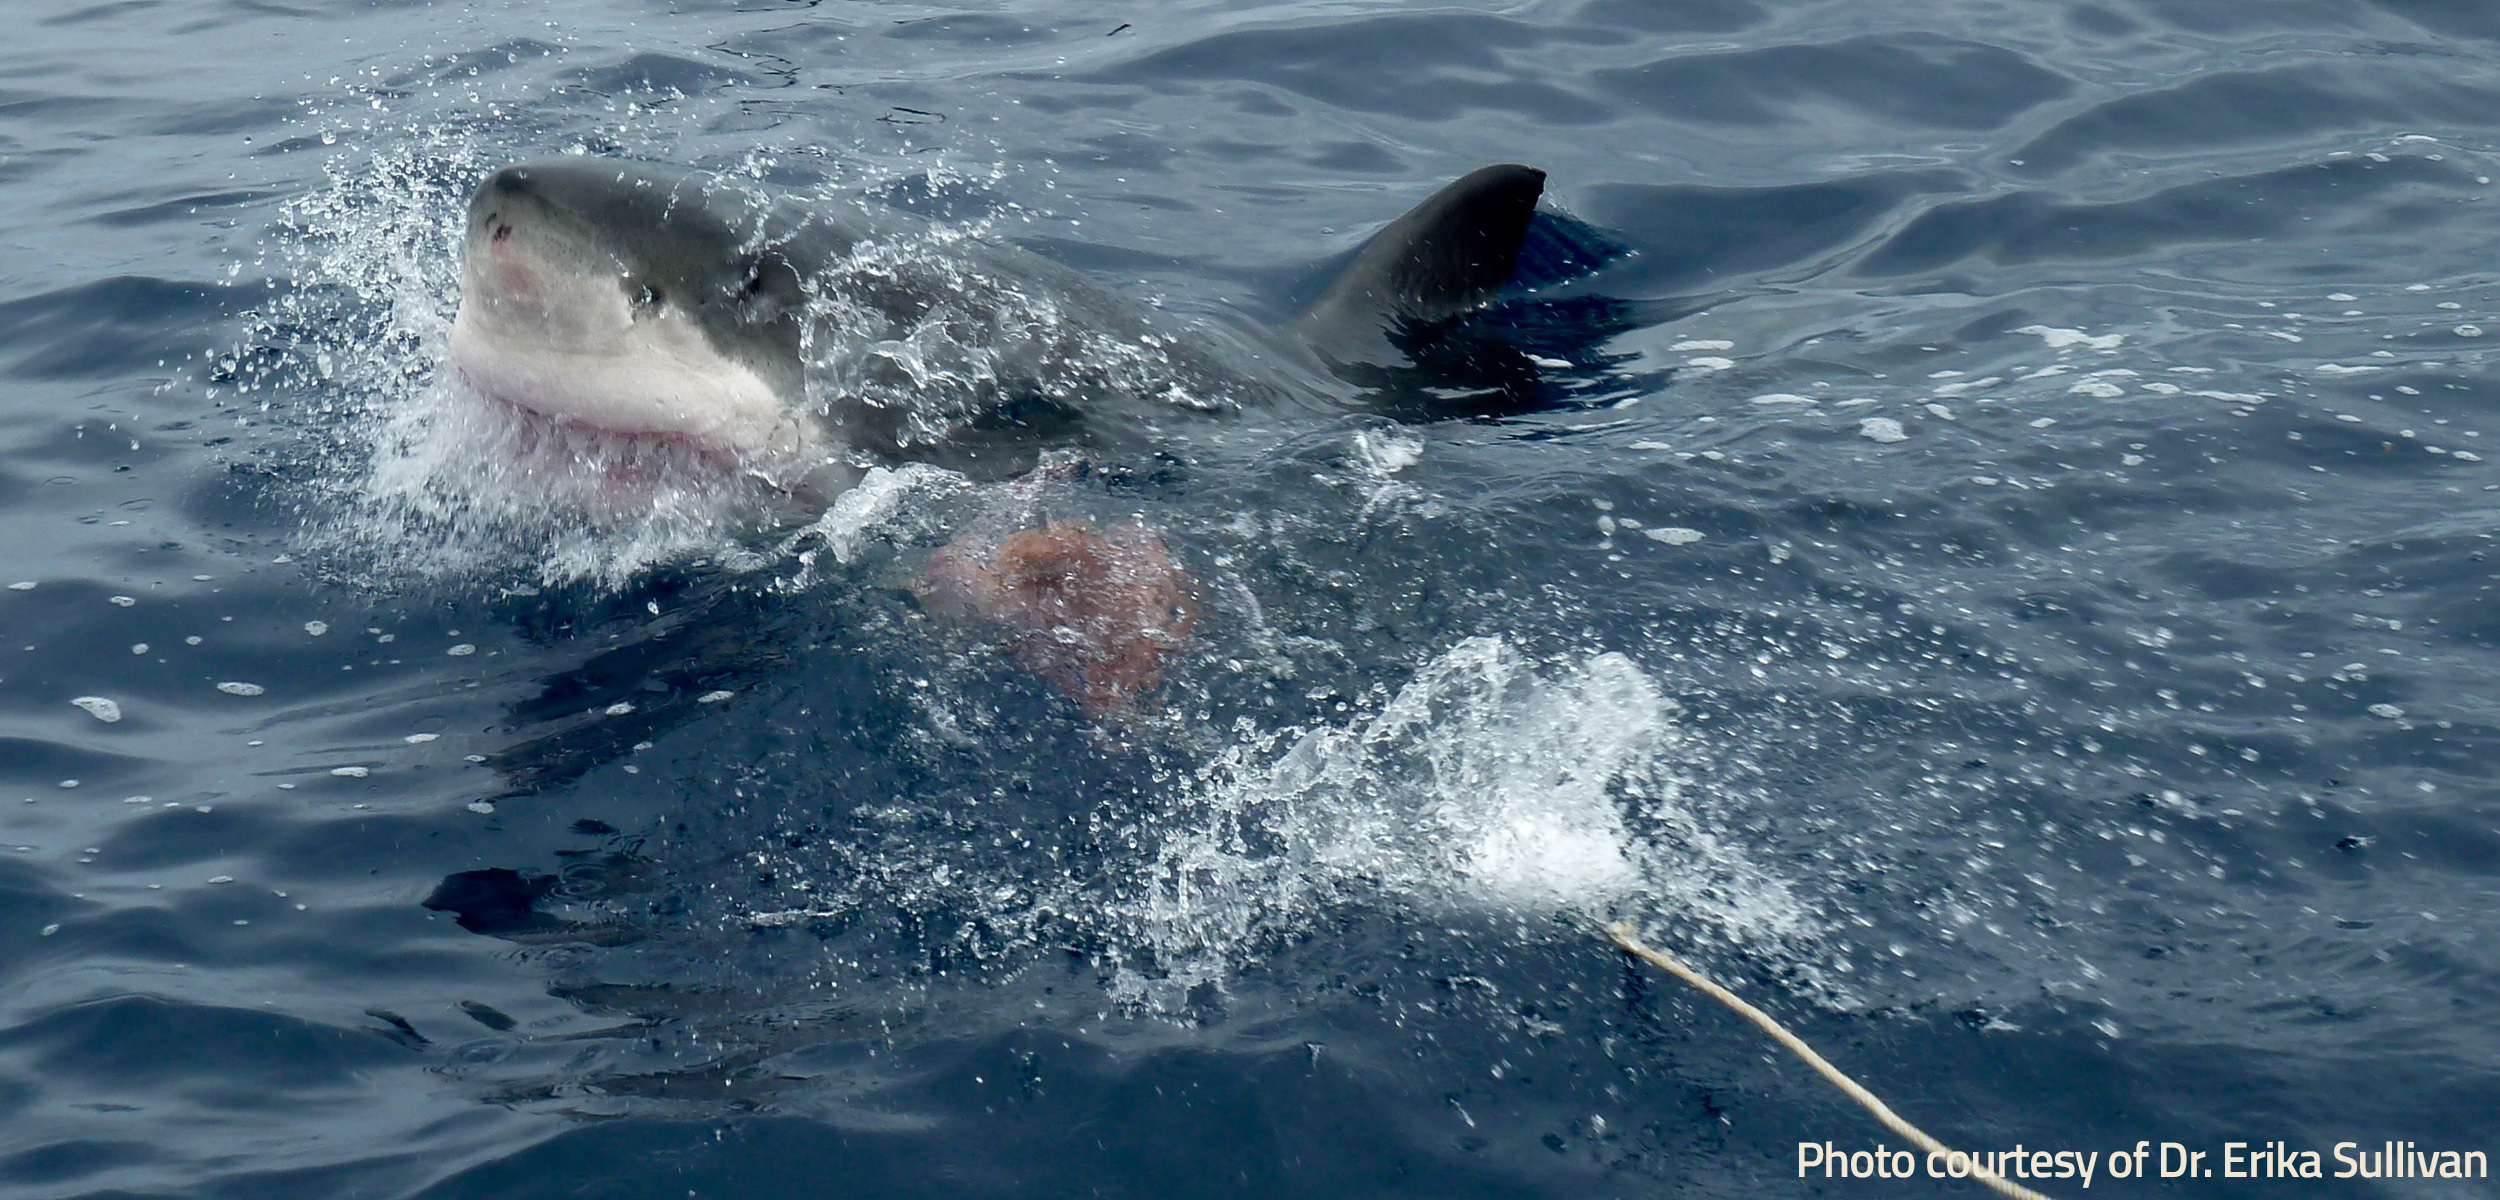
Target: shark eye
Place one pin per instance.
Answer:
(650, 296)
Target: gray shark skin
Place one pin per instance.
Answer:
(808, 342)
(1447, 257)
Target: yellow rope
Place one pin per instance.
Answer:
(1622, 935)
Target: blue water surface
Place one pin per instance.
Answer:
(1980, 538)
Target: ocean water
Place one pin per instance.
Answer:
(1993, 560)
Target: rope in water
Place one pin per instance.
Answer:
(1622, 935)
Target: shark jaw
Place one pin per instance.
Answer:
(653, 378)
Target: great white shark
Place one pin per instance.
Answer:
(809, 341)
(805, 344)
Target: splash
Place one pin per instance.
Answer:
(408, 473)
(935, 329)
(458, 485)
(1483, 785)
(1490, 790)
(916, 336)
(886, 503)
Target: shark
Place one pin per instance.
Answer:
(807, 341)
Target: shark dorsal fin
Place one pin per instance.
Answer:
(1447, 256)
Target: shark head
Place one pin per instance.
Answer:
(626, 301)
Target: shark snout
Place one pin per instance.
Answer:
(510, 181)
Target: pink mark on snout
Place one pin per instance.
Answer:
(512, 271)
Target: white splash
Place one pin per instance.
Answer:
(415, 474)
(1483, 785)
(421, 476)
(887, 503)
(1385, 452)
(2060, 339)
(457, 485)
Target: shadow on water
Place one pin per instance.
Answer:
(1522, 355)
(714, 641)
